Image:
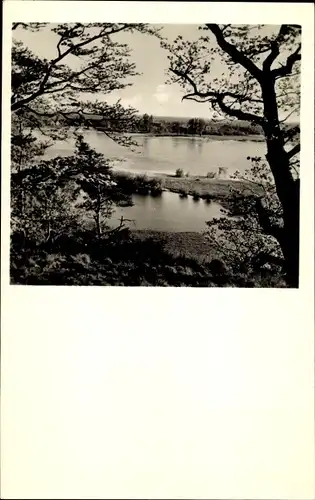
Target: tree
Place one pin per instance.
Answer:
(54, 97)
(196, 126)
(259, 84)
(88, 62)
(239, 236)
(92, 173)
(60, 194)
(48, 195)
(175, 127)
(146, 123)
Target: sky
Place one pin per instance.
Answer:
(149, 93)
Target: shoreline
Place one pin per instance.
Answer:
(221, 189)
(251, 138)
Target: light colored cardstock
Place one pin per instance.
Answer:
(160, 393)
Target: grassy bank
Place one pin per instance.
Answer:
(140, 258)
(181, 244)
(133, 259)
(196, 186)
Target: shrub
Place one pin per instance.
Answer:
(183, 193)
(196, 196)
(179, 172)
(211, 175)
(217, 268)
(222, 171)
(155, 187)
(208, 198)
(156, 191)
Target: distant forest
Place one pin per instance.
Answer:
(160, 125)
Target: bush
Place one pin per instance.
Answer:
(208, 198)
(217, 268)
(183, 193)
(222, 171)
(179, 172)
(211, 175)
(155, 187)
(196, 196)
(156, 191)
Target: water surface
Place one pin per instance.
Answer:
(198, 155)
(168, 212)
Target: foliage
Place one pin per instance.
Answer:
(137, 184)
(145, 123)
(261, 79)
(179, 172)
(183, 193)
(83, 259)
(211, 175)
(171, 126)
(55, 93)
(50, 98)
(58, 193)
(240, 233)
(196, 126)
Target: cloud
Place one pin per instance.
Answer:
(131, 101)
(160, 94)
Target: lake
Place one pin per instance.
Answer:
(198, 156)
(167, 212)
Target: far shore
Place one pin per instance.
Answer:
(212, 137)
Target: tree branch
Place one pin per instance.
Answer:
(272, 56)
(16, 25)
(218, 98)
(295, 150)
(241, 115)
(236, 55)
(42, 87)
(287, 68)
(264, 221)
(264, 258)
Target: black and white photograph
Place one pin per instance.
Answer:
(155, 155)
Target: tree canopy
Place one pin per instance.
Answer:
(89, 63)
(260, 83)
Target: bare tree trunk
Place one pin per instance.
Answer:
(98, 224)
(97, 214)
(288, 189)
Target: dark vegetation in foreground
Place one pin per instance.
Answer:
(140, 258)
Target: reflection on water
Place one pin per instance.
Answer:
(168, 212)
(195, 144)
(146, 145)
